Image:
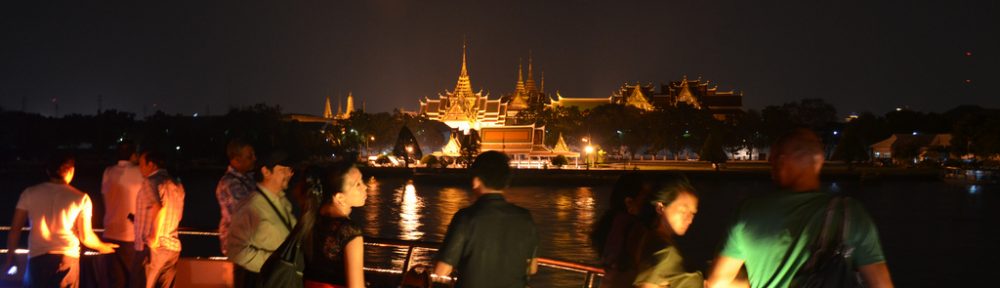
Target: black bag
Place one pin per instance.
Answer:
(284, 268)
(830, 264)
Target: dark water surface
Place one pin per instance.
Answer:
(933, 233)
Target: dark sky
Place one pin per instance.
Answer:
(187, 57)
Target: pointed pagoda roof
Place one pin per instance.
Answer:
(685, 94)
(561, 145)
(638, 100)
(453, 148)
(327, 112)
(464, 86)
(530, 83)
(519, 100)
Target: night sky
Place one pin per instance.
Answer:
(206, 56)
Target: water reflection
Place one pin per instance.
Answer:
(449, 201)
(409, 216)
(373, 202)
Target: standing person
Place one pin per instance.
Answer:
(657, 262)
(772, 233)
(60, 218)
(237, 184)
(331, 243)
(159, 206)
(610, 232)
(119, 186)
(493, 242)
(262, 222)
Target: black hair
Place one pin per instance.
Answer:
(666, 193)
(125, 150)
(628, 186)
(57, 164)
(234, 147)
(156, 157)
(277, 157)
(316, 188)
(493, 169)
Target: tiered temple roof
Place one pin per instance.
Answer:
(463, 109)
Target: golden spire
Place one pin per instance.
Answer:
(350, 105)
(340, 105)
(530, 84)
(465, 72)
(541, 87)
(327, 112)
(519, 88)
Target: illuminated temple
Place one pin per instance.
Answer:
(696, 93)
(495, 120)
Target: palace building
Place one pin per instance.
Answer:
(328, 115)
(696, 93)
(494, 119)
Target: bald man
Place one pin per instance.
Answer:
(772, 234)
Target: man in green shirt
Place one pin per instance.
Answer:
(772, 234)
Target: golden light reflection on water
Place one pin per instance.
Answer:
(371, 207)
(409, 216)
(449, 201)
(584, 207)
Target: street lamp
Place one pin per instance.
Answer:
(589, 150)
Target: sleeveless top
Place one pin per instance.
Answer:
(330, 236)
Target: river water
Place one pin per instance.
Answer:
(933, 233)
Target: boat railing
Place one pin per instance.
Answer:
(590, 273)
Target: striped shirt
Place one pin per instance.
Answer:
(159, 188)
(233, 188)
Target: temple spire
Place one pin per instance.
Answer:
(465, 72)
(530, 84)
(327, 112)
(519, 88)
(350, 105)
(541, 86)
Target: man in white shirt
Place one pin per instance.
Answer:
(60, 218)
(120, 184)
(262, 221)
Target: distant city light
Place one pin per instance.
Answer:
(589, 149)
(973, 189)
(178, 148)
(968, 53)
(195, 115)
(836, 132)
(914, 133)
(899, 109)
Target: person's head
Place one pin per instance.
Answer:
(241, 155)
(796, 159)
(127, 152)
(150, 161)
(490, 171)
(328, 190)
(672, 207)
(61, 168)
(276, 170)
(335, 186)
(628, 193)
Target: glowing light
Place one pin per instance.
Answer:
(968, 53)
(410, 206)
(589, 149)
(914, 133)
(836, 132)
(973, 189)
(899, 109)
(178, 148)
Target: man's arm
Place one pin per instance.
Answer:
(13, 236)
(724, 273)
(86, 230)
(246, 226)
(451, 250)
(876, 275)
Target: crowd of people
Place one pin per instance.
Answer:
(492, 243)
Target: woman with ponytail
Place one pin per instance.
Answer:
(332, 245)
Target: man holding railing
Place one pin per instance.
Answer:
(493, 242)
